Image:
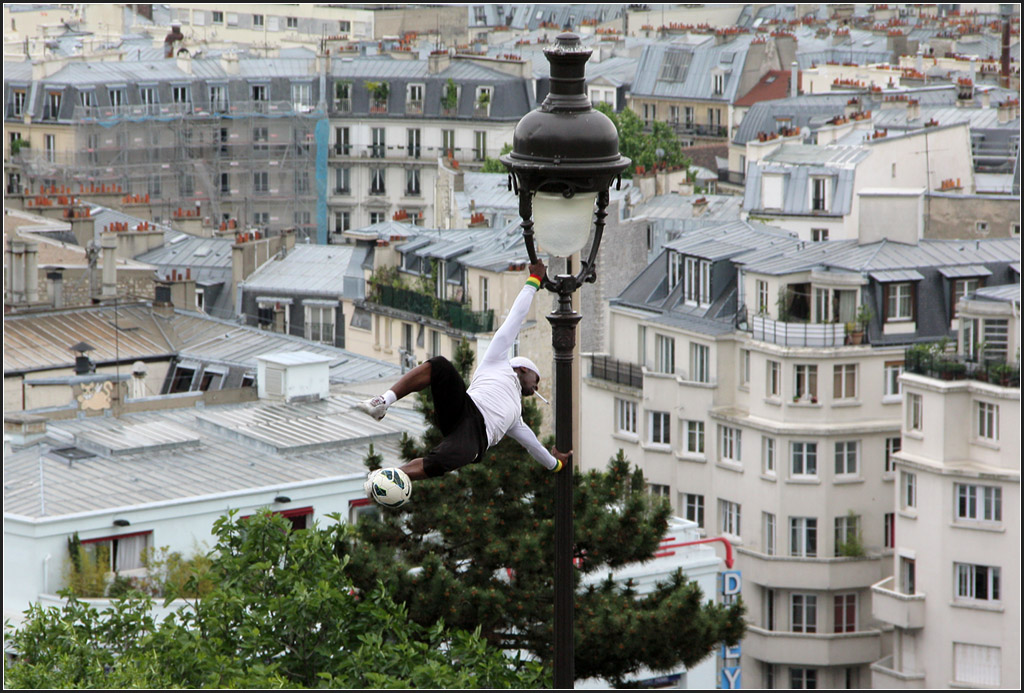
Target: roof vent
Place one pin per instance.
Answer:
(295, 376)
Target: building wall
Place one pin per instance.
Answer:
(970, 216)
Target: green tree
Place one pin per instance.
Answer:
(643, 148)
(283, 612)
(476, 549)
(492, 165)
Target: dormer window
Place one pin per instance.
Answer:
(820, 194)
(718, 83)
(483, 101)
(675, 269)
(697, 281)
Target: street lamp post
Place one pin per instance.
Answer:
(564, 158)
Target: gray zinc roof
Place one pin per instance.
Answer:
(682, 70)
(331, 271)
(178, 455)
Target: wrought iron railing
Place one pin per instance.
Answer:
(452, 312)
(616, 371)
(923, 359)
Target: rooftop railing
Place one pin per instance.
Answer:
(616, 371)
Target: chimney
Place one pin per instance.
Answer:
(162, 304)
(913, 109)
(794, 78)
(919, 63)
(31, 272)
(438, 61)
(108, 248)
(24, 429)
(229, 61)
(56, 279)
(184, 61)
(16, 263)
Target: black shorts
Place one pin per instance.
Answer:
(458, 419)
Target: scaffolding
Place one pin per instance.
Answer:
(253, 162)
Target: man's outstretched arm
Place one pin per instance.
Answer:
(524, 435)
(506, 335)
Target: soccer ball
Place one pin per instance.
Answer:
(390, 487)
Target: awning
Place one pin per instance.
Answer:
(958, 271)
(903, 275)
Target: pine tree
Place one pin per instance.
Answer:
(475, 548)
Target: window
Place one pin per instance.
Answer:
(773, 387)
(697, 281)
(768, 455)
(847, 454)
(844, 610)
(87, 98)
(893, 371)
(342, 179)
(50, 147)
(260, 138)
(414, 99)
(729, 443)
(803, 536)
(908, 490)
(659, 424)
(914, 412)
(123, 552)
(987, 418)
(412, 182)
(225, 184)
(377, 181)
(977, 664)
(117, 96)
(762, 296)
(768, 524)
(148, 96)
(448, 142)
(485, 297)
(819, 194)
(625, 416)
(342, 141)
(260, 181)
(729, 517)
(847, 534)
(979, 503)
(899, 301)
(804, 458)
(819, 235)
(413, 142)
(187, 185)
(675, 269)
(181, 94)
(17, 103)
(435, 343)
(844, 381)
(664, 354)
(892, 446)
(302, 182)
(219, 98)
(805, 381)
(804, 613)
(302, 96)
(344, 26)
(259, 92)
(962, 288)
(342, 221)
(379, 146)
(699, 357)
(658, 491)
(745, 368)
(479, 145)
(889, 529)
(693, 508)
(291, 22)
(694, 436)
(257, 20)
(688, 116)
(641, 344)
(718, 82)
(908, 575)
(979, 582)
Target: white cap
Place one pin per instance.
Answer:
(523, 362)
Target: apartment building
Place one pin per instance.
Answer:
(820, 191)
(738, 379)
(317, 144)
(953, 600)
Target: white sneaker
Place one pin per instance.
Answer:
(367, 487)
(375, 407)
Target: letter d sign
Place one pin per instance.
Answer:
(731, 583)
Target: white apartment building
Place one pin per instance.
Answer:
(734, 381)
(953, 600)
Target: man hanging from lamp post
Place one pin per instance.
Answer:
(475, 418)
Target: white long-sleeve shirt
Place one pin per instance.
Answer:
(495, 387)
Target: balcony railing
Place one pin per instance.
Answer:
(797, 333)
(451, 312)
(616, 371)
(924, 360)
(414, 107)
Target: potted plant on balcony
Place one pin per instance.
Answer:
(450, 98)
(483, 100)
(379, 94)
(856, 328)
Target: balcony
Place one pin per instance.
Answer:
(929, 361)
(797, 334)
(414, 107)
(451, 312)
(884, 677)
(814, 649)
(789, 572)
(901, 610)
(343, 105)
(616, 371)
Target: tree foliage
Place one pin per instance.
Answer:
(283, 613)
(643, 147)
(492, 165)
(475, 549)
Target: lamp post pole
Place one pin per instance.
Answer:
(565, 156)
